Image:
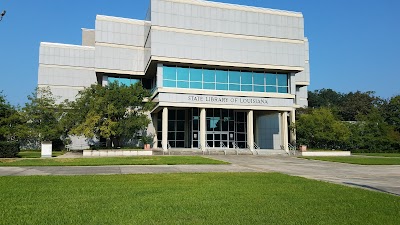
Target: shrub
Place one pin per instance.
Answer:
(9, 149)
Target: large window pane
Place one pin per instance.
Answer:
(271, 88)
(209, 86)
(258, 78)
(183, 74)
(196, 85)
(222, 76)
(247, 78)
(169, 83)
(283, 90)
(134, 81)
(208, 75)
(196, 74)
(247, 88)
(124, 81)
(169, 73)
(112, 79)
(222, 86)
(234, 77)
(282, 80)
(271, 79)
(259, 88)
(182, 84)
(234, 87)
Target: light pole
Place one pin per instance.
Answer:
(2, 15)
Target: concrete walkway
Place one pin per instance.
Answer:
(379, 178)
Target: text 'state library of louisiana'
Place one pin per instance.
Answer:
(222, 75)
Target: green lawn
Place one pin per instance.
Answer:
(358, 160)
(379, 154)
(148, 160)
(37, 154)
(209, 198)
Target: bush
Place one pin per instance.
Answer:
(9, 149)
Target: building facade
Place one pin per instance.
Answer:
(222, 75)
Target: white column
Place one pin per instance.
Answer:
(203, 129)
(155, 124)
(284, 131)
(165, 129)
(292, 122)
(250, 130)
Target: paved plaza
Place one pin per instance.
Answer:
(379, 178)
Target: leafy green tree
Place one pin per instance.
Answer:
(374, 133)
(392, 112)
(358, 103)
(11, 121)
(324, 98)
(319, 128)
(115, 112)
(42, 115)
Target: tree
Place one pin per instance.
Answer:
(42, 115)
(358, 103)
(324, 98)
(115, 112)
(11, 121)
(374, 133)
(392, 112)
(319, 128)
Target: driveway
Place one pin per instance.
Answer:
(379, 178)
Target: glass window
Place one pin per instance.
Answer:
(222, 76)
(234, 77)
(124, 81)
(258, 78)
(169, 73)
(112, 79)
(196, 74)
(234, 87)
(183, 74)
(134, 81)
(182, 84)
(196, 85)
(210, 86)
(271, 79)
(247, 78)
(271, 88)
(282, 80)
(169, 83)
(222, 87)
(247, 88)
(283, 90)
(208, 75)
(259, 88)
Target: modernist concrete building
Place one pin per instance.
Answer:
(222, 75)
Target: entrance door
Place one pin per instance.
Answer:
(218, 139)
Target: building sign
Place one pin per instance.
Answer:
(225, 100)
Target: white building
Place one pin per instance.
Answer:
(222, 75)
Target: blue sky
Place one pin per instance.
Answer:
(354, 45)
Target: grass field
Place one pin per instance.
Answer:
(210, 198)
(360, 160)
(148, 160)
(379, 154)
(37, 154)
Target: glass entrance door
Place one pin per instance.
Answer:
(218, 139)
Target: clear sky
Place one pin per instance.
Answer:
(354, 44)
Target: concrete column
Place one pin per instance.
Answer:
(165, 129)
(154, 117)
(203, 128)
(250, 130)
(284, 131)
(292, 122)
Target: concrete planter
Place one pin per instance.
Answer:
(332, 153)
(47, 149)
(303, 148)
(113, 153)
